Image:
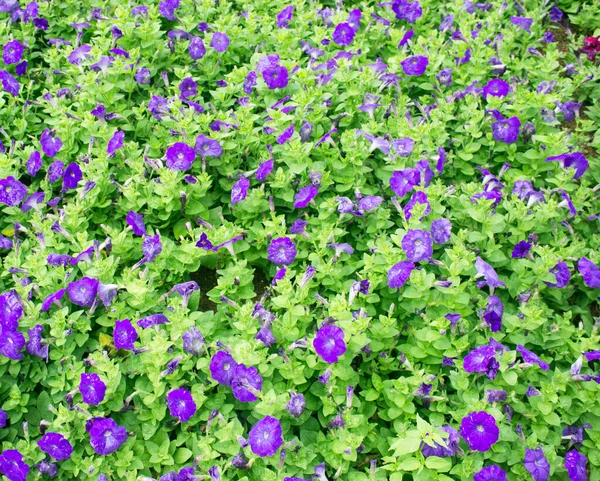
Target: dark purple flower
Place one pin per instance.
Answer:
(219, 42)
(196, 49)
(152, 320)
(282, 251)
(440, 451)
(265, 437)
(151, 247)
(50, 144)
(343, 34)
(493, 313)
(574, 160)
(206, 147)
(296, 404)
(406, 10)
(142, 76)
(35, 345)
(399, 274)
(304, 196)
(488, 273)
(167, 9)
(124, 335)
(592, 355)
(522, 22)
(188, 88)
(193, 340)
(222, 368)
(180, 156)
(9, 83)
(417, 198)
(536, 463)
(491, 473)
(83, 292)
(116, 142)
(521, 250)
(507, 130)
(418, 245)
(158, 107)
(478, 359)
(12, 465)
(11, 343)
(52, 298)
(479, 430)
(12, 52)
(245, 382)
(56, 445)
(496, 88)
(71, 176)
(92, 388)
(532, 358)
(563, 275)
(12, 192)
(298, 227)
(11, 310)
(275, 76)
(555, 14)
(329, 343)
(3, 418)
(548, 37)
(34, 163)
(590, 272)
(441, 230)
(106, 436)
(181, 404)
(403, 181)
(280, 274)
(136, 221)
(576, 466)
(415, 65)
(285, 135)
(285, 17)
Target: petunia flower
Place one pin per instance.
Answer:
(488, 273)
(35, 345)
(573, 160)
(407, 10)
(222, 368)
(181, 404)
(532, 358)
(343, 34)
(83, 292)
(282, 251)
(441, 230)
(12, 465)
(296, 404)
(576, 466)
(53, 299)
(275, 76)
(536, 463)
(590, 272)
(136, 222)
(285, 17)
(450, 448)
(496, 88)
(246, 383)
(220, 42)
(329, 343)
(56, 445)
(524, 23)
(415, 65)
(152, 320)
(12, 192)
(491, 473)
(180, 156)
(399, 274)
(124, 335)
(196, 48)
(92, 388)
(50, 143)
(34, 163)
(265, 437)
(563, 276)
(206, 147)
(9, 83)
(479, 359)
(239, 191)
(418, 197)
(493, 313)
(417, 245)
(193, 340)
(479, 430)
(71, 176)
(106, 436)
(507, 130)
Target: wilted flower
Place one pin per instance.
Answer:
(493, 313)
(440, 451)
(532, 358)
(562, 274)
(488, 273)
(590, 272)
(245, 383)
(296, 404)
(329, 343)
(181, 404)
(265, 437)
(479, 430)
(152, 320)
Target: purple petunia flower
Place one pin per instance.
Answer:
(124, 335)
(563, 276)
(590, 272)
(329, 343)
(222, 368)
(576, 466)
(115, 143)
(56, 445)
(265, 437)
(142, 76)
(71, 176)
(12, 192)
(188, 88)
(403, 147)
(12, 52)
(406, 10)
(92, 388)
(180, 156)
(304, 196)
(282, 251)
(493, 313)
(415, 65)
(50, 143)
(35, 345)
(275, 76)
(418, 245)
(532, 358)
(181, 404)
(9, 83)
(496, 88)
(34, 163)
(206, 147)
(53, 298)
(491, 473)
(220, 42)
(399, 274)
(285, 135)
(285, 17)
(3, 418)
(573, 160)
(152, 320)
(296, 404)
(245, 382)
(479, 359)
(136, 221)
(592, 355)
(343, 34)
(196, 49)
(440, 451)
(479, 430)
(488, 273)
(521, 250)
(506, 130)
(495, 395)
(522, 22)
(403, 181)
(193, 340)
(536, 463)
(441, 230)
(12, 465)
(417, 198)
(83, 292)
(106, 436)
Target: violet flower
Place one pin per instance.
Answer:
(590, 272)
(265, 437)
(491, 473)
(329, 343)
(282, 251)
(399, 274)
(532, 358)
(92, 388)
(105, 435)
(12, 192)
(83, 292)
(296, 404)
(576, 466)
(181, 404)
(507, 130)
(479, 430)
(124, 335)
(222, 368)
(246, 383)
(12, 465)
(56, 445)
(415, 65)
(418, 245)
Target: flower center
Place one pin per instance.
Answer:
(8, 190)
(266, 435)
(480, 428)
(226, 366)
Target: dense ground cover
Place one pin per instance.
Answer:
(263, 241)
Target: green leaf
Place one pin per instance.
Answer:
(438, 464)
(410, 464)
